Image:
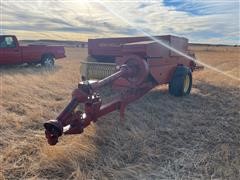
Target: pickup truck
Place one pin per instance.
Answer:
(12, 53)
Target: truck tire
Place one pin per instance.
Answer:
(181, 82)
(48, 61)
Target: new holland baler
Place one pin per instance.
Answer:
(131, 66)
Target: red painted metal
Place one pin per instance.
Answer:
(75, 122)
(142, 65)
(16, 54)
(112, 46)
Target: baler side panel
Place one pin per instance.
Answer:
(138, 49)
(162, 69)
(156, 50)
(181, 44)
(112, 46)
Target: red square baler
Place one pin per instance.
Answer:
(132, 66)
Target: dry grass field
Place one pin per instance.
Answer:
(163, 137)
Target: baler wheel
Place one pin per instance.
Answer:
(181, 83)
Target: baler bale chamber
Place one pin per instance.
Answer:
(104, 56)
(130, 66)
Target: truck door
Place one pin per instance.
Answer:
(9, 51)
(1, 56)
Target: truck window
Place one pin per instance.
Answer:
(7, 42)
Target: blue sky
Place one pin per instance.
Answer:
(204, 21)
(198, 8)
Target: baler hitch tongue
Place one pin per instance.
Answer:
(53, 130)
(71, 121)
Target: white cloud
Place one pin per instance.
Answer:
(216, 21)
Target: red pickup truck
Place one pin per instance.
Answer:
(12, 53)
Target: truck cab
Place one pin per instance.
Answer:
(10, 52)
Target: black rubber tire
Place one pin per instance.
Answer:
(181, 82)
(48, 61)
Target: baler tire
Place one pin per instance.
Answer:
(181, 85)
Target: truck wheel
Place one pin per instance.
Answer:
(181, 83)
(48, 61)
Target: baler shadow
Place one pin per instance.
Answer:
(162, 137)
(168, 137)
(27, 69)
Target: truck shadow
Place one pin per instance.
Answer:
(27, 69)
(168, 137)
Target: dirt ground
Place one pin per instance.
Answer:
(162, 137)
